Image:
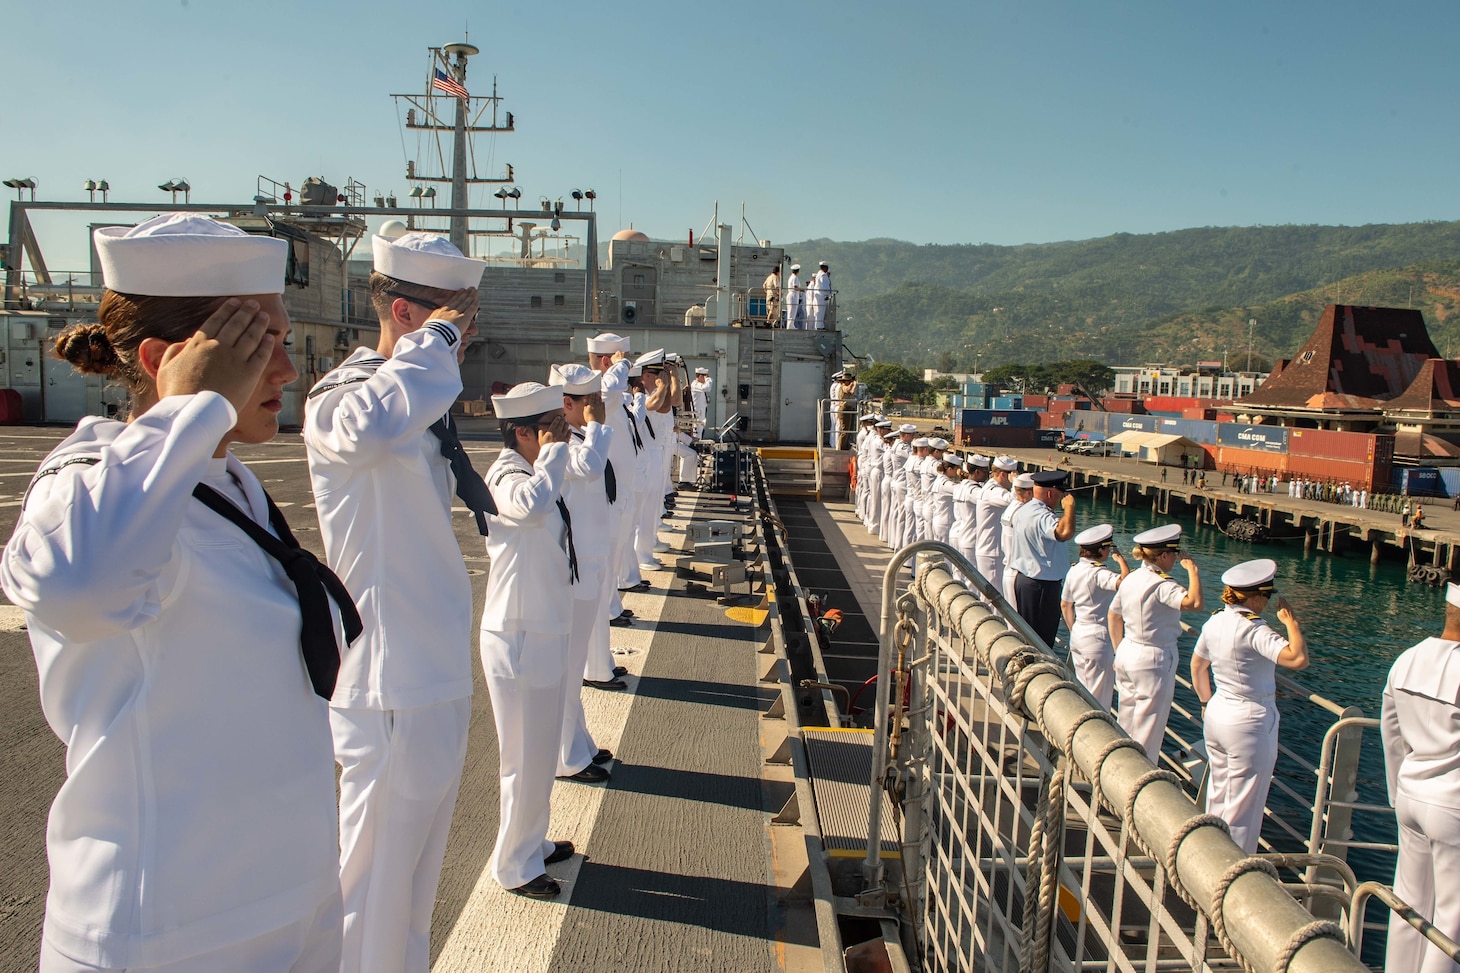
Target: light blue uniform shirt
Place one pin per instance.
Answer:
(1034, 552)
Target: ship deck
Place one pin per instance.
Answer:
(679, 868)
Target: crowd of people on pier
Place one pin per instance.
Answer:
(207, 675)
(1123, 625)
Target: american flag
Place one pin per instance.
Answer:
(444, 82)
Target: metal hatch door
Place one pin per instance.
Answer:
(63, 390)
(801, 387)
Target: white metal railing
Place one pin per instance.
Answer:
(1036, 835)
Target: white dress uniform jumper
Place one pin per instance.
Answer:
(524, 639)
(1420, 723)
(196, 825)
(1149, 604)
(1240, 723)
(383, 491)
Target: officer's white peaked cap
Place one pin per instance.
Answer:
(185, 255)
(528, 399)
(428, 259)
(1098, 534)
(650, 359)
(1250, 574)
(575, 379)
(607, 343)
(1167, 535)
(885, 424)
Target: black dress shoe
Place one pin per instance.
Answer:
(562, 851)
(643, 584)
(626, 613)
(620, 670)
(606, 683)
(621, 621)
(592, 774)
(541, 887)
(602, 756)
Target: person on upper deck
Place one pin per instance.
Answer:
(818, 297)
(185, 650)
(1420, 723)
(1240, 719)
(1145, 622)
(795, 300)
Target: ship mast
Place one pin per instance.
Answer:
(459, 238)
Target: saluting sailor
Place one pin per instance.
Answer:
(993, 500)
(1145, 622)
(608, 355)
(185, 645)
(1240, 721)
(914, 527)
(1039, 552)
(795, 300)
(384, 463)
(525, 629)
(1023, 492)
(818, 297)
(1420, 723)
(895, 472)
(652, 407)
(950, 473)
(590, 491)
(963, 531)
(1085, 603)
(699, 394)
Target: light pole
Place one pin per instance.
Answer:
(1251, 326)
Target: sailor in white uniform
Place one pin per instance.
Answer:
(525, 629)
(863, 445)
(1240, 721)
(818, 297)
(1420, 723)
(795, 300)
(876, 446)
(896, 474)
(656, 420)
(384, 464)
(889, 438)
(1145, 622)
(963, 531)
(950, 473)
(608, 355)
(928, 471)
(699, 394)
(1023, 492)
(1085, 602)
(994, 499)
(185, 646)
(914, 528)
(590, 491)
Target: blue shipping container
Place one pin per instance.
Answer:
(1450, 477)
(996, 417)
(1008, 402)
(1124, 423)
(1420, 481)
(1203, 432)
(1271, 439)
(1084, 420)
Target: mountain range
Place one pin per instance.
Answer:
(1176, 297)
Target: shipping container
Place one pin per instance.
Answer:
(1272, 439)
(1198, 413)
(1083, 420)
(1239, 460)
(1198, 431)
(1119, 424)
(1036, 401)
(1061, 406)
(1123, 406)
(974, 388)
(1008, 402)
(1048, 437)
(1361, 474)
(1001, 437)
(1417, 481)
(1334, 445)
(1051, 420)
(999, 417)
(1450, 477)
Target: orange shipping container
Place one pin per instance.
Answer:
(1360, 473)
(1355, 446)
(1257, 461)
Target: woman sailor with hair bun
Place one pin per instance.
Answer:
(196, 827)
(1240, 720)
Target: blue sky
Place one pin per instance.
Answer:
(935, 122)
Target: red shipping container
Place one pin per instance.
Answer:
(1250, 460)
(1207, 414)
(1170, 403)
(1360, 473)
(1359, 446)
(1036, 401)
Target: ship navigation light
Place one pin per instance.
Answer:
(94, 186)
(175, 186)
(590, 195)
(20, 185)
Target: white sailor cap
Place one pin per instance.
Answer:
(428, 259)
(823, 263)
(795, 266)
(1452, 594)
(938, 443)
(869, 417)
(953, 459)
(651, 359)
(1006, 463)
(885, 424)
(1251, 574)
(184, 255)
(528, 399)
(907, 427)
(889, 436)
(1024, 481)
(1091, 536)
(838, 375)
(920, 442)
(702, 370)
(575, 379)
(980, 460)
(607, 343)
(1167, 535)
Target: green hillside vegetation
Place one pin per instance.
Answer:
(1176, 297)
